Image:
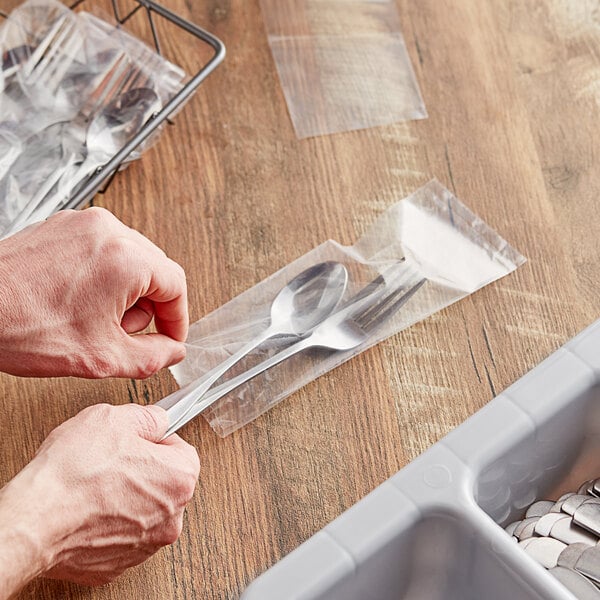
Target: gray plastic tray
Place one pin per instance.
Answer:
(434, 530)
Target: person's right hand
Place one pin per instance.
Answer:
(102, 494)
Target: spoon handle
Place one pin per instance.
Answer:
(198, 405)
(60, 196)
(28, 214)
(83, 171)
(179, 403)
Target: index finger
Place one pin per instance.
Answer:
(166, 288)
(168, 292)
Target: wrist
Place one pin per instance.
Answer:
(6, 285)
(12, 318)
(27, 343)
(30, 529)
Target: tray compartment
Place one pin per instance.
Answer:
(435, 529)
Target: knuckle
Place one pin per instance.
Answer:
(192, 480)
(61, 215)
(190, 486)
(121, 264)
(95, 216)
(67, 437)
(116, 250)
(150, 365)
(194, 460)
(185, 487)
(95, 222)
(180, 271)
(181, 488)
(91, 416)
(97, 412)
(57, 434)
(146, 420)
(188, 472)
(98, 366)
(171, 531)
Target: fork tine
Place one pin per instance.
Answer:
(393, 278)
(57, 64)
(373, 289)
(52, 49)
(38, 53)
(50, 61)
(48, 54)
(381, 311)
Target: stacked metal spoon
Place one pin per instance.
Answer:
(564, 536)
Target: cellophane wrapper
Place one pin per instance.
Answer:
(429, 235)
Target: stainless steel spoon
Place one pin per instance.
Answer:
(114, 126)
(304, 302)
(106, 134)
(110, 130)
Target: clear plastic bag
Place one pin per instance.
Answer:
(79, 90)
(429, 236)
(343, 64)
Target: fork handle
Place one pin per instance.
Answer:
(200, 404)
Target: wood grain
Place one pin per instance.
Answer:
(513, 97)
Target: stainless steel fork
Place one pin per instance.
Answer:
(52, 58)
(348, 328)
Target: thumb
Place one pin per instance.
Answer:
(150, 352)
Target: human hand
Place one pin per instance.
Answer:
(74, 289)
(101, 495)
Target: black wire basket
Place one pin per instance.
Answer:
(99, 181)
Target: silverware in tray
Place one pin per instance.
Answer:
(563, 536)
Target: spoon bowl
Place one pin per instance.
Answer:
(119, 121)
(108, 132)
(307, 299)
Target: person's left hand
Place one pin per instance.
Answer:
(74, 290)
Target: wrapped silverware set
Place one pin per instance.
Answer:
(425, 252)
(563, 536)
(74, 90)
(310, 313)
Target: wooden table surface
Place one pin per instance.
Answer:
(512, 88)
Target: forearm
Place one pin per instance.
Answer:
(24, 533)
